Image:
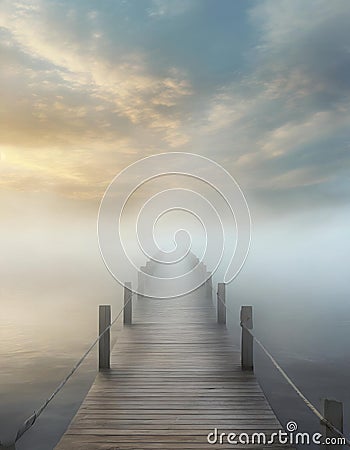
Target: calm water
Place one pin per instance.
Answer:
(48, 319)
(39, 348)
(300, 293)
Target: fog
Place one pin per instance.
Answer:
(53, 278)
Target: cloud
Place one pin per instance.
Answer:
(64, 95)
(124, 86)
(289, 114)
(311, 37)
(169, 8)
(268, 98)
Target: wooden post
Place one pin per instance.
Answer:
(141, 282)
(247, 338)
(152, 265)
(127, 316)
(221, 302)
(333, 412)
(105, 341)
(202, 272)
(209, 286)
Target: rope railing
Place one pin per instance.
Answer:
(246, 325)
(29, 422)
(324, 421)
(312, 408)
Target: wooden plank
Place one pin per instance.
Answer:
(175, 376)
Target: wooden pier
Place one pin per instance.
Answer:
(174, 377)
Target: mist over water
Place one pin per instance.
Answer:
(296, 278)
(53, 278)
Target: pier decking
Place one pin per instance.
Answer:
(175, 376)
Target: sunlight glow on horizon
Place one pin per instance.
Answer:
(85, 92)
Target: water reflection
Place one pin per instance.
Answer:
(297, 283)
(39, 343)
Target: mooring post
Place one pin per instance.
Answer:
(333, 412)
(141, 282)
(221, 304)
(127, 316)
(104, 348)
(247, 338)
(209, 285)
(201, 271)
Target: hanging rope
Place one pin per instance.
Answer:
(29, 422)
(307, 402)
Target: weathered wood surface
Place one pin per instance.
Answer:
(175, 376)
(104, 343)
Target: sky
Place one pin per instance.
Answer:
(260, 87)
(88, 88)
